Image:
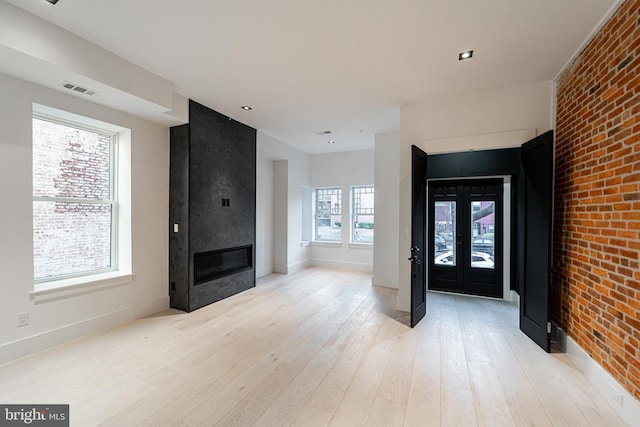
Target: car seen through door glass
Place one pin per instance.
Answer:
(478, 259)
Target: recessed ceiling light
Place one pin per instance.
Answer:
(331, 142)
(246, 108)
(468, 54)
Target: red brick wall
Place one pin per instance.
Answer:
(596, 280)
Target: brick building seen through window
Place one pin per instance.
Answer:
(74, 207)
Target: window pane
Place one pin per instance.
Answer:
(70, 162)
(329, 214)
(363, 214)
(444, 225)
(70, 238)
(482, 240)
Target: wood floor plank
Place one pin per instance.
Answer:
(490, 402)
(423, 405)
(524, 405)
(457, 407)
(321, 406)
(396, 380)
(454, 363)
(319, 347)
(545, 379)
(286, 406)
(248, 409)
(386, 414)
(359, 398)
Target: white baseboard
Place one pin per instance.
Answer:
(341, 265)
(154, 306)
(403, 304)
(515, 298)
(605, 383)
(374, 282)
(280, 268)
(44, 340)
(298, 266)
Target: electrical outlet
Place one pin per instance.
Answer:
(23, 319)
(617, 396)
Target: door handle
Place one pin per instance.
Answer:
(415, 249)
(415, 260)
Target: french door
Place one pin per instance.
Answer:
(465, 235)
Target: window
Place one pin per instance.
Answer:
(362, 214)
(75, 211)
(328, 214)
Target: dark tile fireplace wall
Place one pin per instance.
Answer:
(212, 208)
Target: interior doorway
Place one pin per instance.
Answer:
(530, 168)
(465, 235)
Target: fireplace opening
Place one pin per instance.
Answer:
(215, 264)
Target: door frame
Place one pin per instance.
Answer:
(461, 191)
(501, 162)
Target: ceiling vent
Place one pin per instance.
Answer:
(323, 132)
(74, 87)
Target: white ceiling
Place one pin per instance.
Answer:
(340, 65)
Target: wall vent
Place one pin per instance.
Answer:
(79, 89)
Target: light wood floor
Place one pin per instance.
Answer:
(316, 348)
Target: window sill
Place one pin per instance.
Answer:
(357, 245)
(79, 285)
(327, 244)
(304, 243)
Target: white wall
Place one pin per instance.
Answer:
(280, 215)
(57, 320)
(497, 119)
(290, 174)
(264, 216)
(343, 170)
(39, 51)
(387, 178)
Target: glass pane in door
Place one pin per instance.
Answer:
(444, 226)
(482, 232)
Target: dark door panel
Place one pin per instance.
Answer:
(537, 165)
(468, 215)
(418, 234)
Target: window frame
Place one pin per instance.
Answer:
(315, 214)
(353, 214)
(113, 135)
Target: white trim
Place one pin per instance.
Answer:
(604, 383)
(353, 214)
(297, 266)
(382, 285)
(47, 339)
(291, 268)
(360, 245)
(403, 304)
(326, 243)
(341, 265)
(590, 37)
(74, 121)
(314, 230)
(151, 307)
(279, 269)
(66, 288)
(88, 123)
